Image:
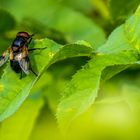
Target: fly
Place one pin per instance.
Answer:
(18, 54)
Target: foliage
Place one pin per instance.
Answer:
(88, 76)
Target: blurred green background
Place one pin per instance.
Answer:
(115, 115)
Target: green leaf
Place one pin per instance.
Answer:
(71, 50)
(101, 7)
(46, 127)
(7, 21)
(14, 91)
(60, 73)
(81, 5)
(22, 122)
(121, 9)
(53, 14)
(78, 97)
(122, 48)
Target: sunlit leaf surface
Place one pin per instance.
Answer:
(13, 94)
(122, 48)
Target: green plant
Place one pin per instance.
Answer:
(78, 87)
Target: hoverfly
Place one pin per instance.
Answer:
(18, 54)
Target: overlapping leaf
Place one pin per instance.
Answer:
(30, 110)
(122, 48)
(53, 14)
(125, 8)
(14, 91)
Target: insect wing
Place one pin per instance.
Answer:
(23, 59)
(24, 64)
(4, 57)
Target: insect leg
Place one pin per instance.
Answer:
(36, 49)
(30, 40)
(20, 74)
(33, 71)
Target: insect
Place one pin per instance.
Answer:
(18, 54)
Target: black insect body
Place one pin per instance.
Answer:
(18, 54)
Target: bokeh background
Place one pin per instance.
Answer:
(115, 115)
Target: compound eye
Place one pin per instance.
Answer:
(22, 44)
(23, 34)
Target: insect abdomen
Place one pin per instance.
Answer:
(15, 66)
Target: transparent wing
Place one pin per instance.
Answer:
(4, 57)
(23, 60)
(24, 64)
